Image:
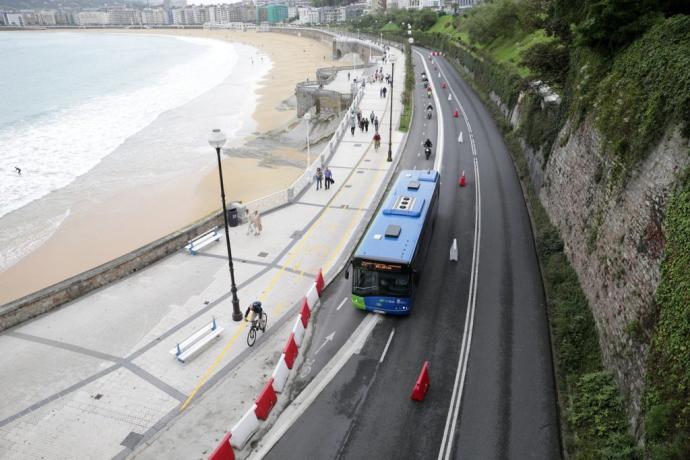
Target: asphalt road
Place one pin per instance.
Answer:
(480, 322)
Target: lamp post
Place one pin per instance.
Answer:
(390, 127)
(307, 116)
(217, 140)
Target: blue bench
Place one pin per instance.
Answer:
(203, 240)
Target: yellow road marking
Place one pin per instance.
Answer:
(274, 280)
(209, 371)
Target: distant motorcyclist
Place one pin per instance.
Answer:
(429, 109)
(427, 148)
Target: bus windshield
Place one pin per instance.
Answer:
(370, 282)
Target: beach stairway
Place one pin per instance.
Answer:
(203, 240)
(197, 342)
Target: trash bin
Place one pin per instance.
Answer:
(233, 216)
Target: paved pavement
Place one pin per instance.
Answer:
(94, 379)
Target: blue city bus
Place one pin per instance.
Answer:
(388, 261)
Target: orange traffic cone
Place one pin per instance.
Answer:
(456, 114)
(462, 180)
(422, 384)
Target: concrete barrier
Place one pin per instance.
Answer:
(265, 401)
(313, 297)
(280, 374)
(224, 450)
(305, 313)
(290, 351)
(298, 331)
(245, 428)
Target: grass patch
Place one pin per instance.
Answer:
(445, 25)
(390, 27)
(507, 50)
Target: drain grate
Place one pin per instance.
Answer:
(348, 186)
(262, 254)
(360, 172)
(296, 235)
(357, 145)
(132, 440)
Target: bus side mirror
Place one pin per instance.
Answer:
(347, 272)
(415, 277)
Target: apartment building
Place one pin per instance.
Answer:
(124, 17)
(153, 16)
(92, 18)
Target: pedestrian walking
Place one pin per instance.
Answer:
(352, 124)
(381, 92)
(376, 124)
(328, 177)
(250, 222)
(348, 76)
(372, 116)
(257, 223)
(385, 90)
(361, 124)
(377, 141)
(366, 124)
(319, 178)
(359, 115)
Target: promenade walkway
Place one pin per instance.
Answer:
(95, 379)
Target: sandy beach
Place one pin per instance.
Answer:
(95, 233)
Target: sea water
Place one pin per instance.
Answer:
(87, 114)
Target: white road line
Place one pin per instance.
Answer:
(438, 162)
(385, 349)
(341, 304)
(461, 372)
(320, 381)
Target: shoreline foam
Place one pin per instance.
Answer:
(95, 233)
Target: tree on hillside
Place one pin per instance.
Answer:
(607, 25)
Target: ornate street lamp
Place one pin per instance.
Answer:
(392, 58)
(217, 139)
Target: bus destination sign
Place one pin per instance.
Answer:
(380, 266)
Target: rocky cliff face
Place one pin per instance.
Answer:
(611, 225)
(613, 235)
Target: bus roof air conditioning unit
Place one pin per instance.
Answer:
(413, 185)
(393, 231)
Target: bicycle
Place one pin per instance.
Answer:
(258, 324)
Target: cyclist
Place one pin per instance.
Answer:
(257, 311)
(429, 109)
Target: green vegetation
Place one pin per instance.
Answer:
(667, 395)
(394, 20)
(592, 410)
(624, 66)
(446, 25)
(646, 91)
(408, 91)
